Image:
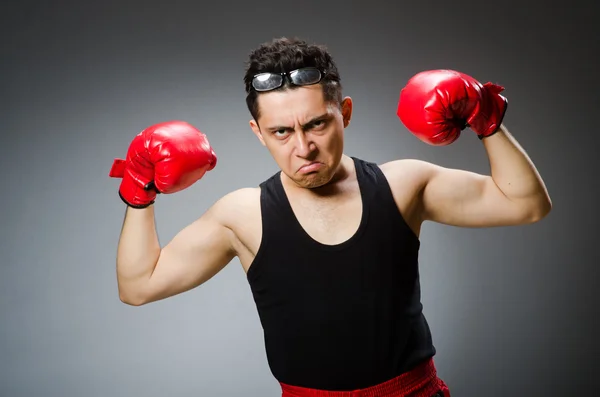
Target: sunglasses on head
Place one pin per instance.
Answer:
(270, 81)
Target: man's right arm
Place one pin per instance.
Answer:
(147, 273)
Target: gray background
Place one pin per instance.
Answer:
(511, 309)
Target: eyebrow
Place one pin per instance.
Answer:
(306, 125)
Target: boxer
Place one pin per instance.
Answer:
(329, 243)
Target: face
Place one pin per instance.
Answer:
(303, 133)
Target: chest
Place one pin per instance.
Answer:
(329, 221)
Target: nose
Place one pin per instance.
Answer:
(303, 145)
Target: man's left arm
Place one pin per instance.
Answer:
(513, 194)
(436, 106)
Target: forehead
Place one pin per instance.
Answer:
(292, 104)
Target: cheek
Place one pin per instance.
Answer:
(335, 138)
(280, 151)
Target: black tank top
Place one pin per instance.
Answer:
(345, 316)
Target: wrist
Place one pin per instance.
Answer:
(487, 120)
(136, 191)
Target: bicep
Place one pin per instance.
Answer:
(464, 198)
(192, 257)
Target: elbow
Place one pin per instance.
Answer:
(131, 298)
(539, 211)
(545, 207)
(131, 302)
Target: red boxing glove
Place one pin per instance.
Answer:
(164, 158)
(436, 105)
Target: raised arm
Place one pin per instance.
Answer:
(147, 273)
(513, 194)
(165, 158)
(436, 106)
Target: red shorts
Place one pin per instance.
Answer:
(420, 382)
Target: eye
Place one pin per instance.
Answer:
(281, 133)
(318, 125)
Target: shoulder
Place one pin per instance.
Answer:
(239, 213)
(237, 206)
(408, 172)
(407, 179)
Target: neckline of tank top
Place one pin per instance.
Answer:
(361, 226)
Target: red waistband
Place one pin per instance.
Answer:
(422, 381)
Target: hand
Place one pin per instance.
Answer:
(164, 158)
(436, 105)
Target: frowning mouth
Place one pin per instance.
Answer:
(310, 167)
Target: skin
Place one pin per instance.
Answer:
(298, 127)
(304, 129)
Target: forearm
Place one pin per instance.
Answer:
(137, 253)
(515, 174)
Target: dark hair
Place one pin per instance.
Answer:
(284, 55)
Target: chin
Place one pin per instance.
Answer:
(312, 184)
(314, 180)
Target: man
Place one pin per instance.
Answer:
(329, 244)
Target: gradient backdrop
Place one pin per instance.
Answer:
(511, 309)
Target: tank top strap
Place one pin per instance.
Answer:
(274, 205)
(378, 196)
(375, 184)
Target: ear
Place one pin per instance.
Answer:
(257, 132)
(347, 110)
